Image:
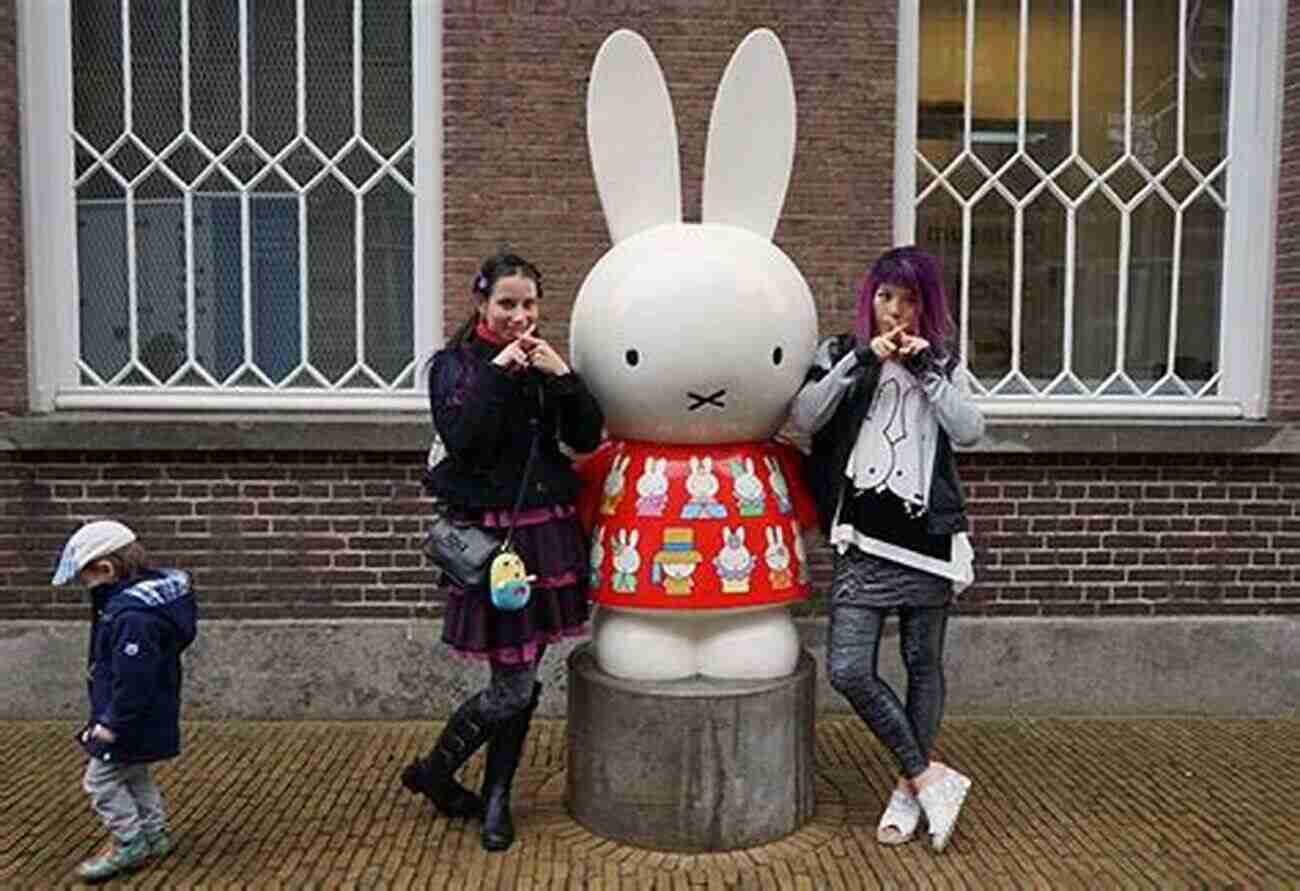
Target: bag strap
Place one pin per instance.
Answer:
(536, 424)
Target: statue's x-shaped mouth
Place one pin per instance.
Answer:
(713, 399)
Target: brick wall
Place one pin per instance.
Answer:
(1286, 306)
(517, 169)
(1127, 535)
(273, 535)
(267, 535)
(1087, 535)
(13, 319)
(327, 534)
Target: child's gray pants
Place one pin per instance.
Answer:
(125, 797)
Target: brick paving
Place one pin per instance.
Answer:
(1056, 804)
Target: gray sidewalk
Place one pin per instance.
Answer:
(1056, 804)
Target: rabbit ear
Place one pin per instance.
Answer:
(632, 137)
(634, 537)
(662, 466)
(749, 466)
(649, 465)
(695, 464)
(751, 137)
(740, 534)
(707, 464)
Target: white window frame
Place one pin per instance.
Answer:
(1254, 140)
(50, 233)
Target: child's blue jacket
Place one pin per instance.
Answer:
(134, 678)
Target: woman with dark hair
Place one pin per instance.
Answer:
(495, 388)
(883, 411)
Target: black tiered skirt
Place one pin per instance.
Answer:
(554, 549)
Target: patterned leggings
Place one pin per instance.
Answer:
(510, 688)
(908, 731)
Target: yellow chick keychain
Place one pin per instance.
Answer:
(509, 582)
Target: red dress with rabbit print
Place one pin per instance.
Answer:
(709, 526)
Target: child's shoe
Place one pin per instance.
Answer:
(115, 858)
(160, 843)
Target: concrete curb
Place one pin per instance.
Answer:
(394, 670)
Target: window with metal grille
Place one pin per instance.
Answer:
(1078, 168)
(244, 188)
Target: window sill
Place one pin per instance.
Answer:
(220, 431)
(1061, 435)
(410, 432)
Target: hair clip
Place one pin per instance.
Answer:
(481, 283)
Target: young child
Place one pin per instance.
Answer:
(143, 619)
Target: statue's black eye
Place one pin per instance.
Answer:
(632, 357)
(777, 356)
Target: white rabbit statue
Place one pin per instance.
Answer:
(694, 337)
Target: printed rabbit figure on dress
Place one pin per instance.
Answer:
(703, 488)
(597, 555)
(615, 483)
(627, 561)
(734, 562)
(779, 487)
(748, 489)
(694, 337)
(652, 488)
(777, 557)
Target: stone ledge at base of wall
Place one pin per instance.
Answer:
(394, 670)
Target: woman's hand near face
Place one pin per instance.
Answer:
(513, 356)
(911, 346)
(543, 357)
(898, 344)
(887, 344)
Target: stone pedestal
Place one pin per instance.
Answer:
(692, 765)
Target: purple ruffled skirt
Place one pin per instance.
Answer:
(553, 549)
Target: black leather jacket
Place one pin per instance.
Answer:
(486, 418)
(832, 443)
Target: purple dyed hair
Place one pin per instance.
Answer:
(912, 268)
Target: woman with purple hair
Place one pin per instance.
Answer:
(883, 410)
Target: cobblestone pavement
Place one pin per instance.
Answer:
(1056, 804)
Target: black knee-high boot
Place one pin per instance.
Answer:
(434, 775)
(503, 754)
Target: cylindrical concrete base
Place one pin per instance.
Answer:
(692, 765)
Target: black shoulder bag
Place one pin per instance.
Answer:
(465, 553)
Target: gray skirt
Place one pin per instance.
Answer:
(861, 579)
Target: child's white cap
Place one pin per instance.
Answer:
(89, 543)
